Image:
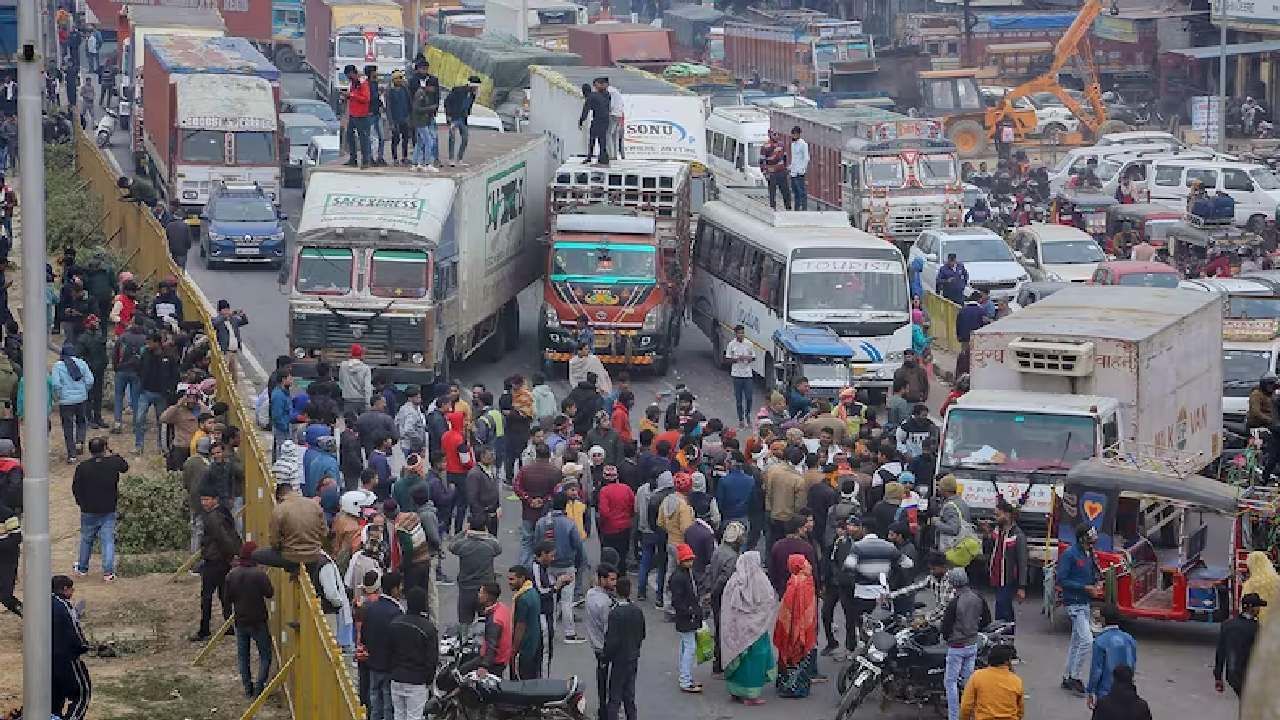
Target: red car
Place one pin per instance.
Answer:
(1135, 273)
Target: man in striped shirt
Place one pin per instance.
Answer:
(869, 558)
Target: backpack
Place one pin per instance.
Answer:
(655, 503)
(128, 355)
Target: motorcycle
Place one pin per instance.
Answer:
(104, 129)
(906, 660)
(459, 694)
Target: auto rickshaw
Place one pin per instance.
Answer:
(1152, 545)
(1147, 220)
(1083, 208)
(1187, 244)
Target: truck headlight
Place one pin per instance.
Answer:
(549, 317)
(417, 358)
(651, 319)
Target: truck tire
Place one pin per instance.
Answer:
(717, 351)
(287, 60)
(969, 137)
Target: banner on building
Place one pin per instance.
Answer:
(1250, 11)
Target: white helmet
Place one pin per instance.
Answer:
(353, 501)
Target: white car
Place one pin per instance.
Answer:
(322, 151)
(1057, 252)
(989, 260)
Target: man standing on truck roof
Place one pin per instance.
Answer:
(773, 163)
(457, 108)
(596, 101)
(617, 121)
(358, 100)
(375, 113)
(424, 104)
(799, 168)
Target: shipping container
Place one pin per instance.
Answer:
(621, 43)
(244, 18)
(784, 47)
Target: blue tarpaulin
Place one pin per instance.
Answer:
(1039, 21)
(812, 342)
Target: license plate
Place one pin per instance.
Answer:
(246, 251)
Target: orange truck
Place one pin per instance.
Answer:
(618, 259)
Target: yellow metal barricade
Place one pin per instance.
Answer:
(318, 684)
(942, 321)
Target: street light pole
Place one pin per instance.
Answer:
(1222, 82)
(36, 580)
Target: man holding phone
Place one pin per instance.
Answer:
(741, 355)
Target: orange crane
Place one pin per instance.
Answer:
(1074, 45)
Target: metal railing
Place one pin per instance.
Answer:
(942, 321)
(316, 682)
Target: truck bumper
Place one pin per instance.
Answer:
(613, 347)
(399, 375)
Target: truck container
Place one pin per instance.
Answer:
(693, 26)
(621, 43)
(1087, 372)
(546, 23)
(138, 23)
(244, 18)
(779, 47)
(663, 121)
(420, 270)
(352, 32)
(894, 175)
(619, 254)
(210, 110)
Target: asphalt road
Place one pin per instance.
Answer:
(1175, 660)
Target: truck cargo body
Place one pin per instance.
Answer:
(244, 18)
(352, 32)
(894, 175)
(619, 255)
(421, 270)
(141, 22)
(546, 22)
(663, 121)
(616, 43)
(692, 25)
(786, 47)
(202, 127)
(1084, 372)
(288, 46)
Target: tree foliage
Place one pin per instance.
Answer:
(152, 513)
(73, 214)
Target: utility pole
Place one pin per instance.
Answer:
(1222, 79)
(36, 580)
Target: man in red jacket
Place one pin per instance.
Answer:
(358, 99)
(616, 503)
(458, 461)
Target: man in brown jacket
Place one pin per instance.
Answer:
(297, 531)
(183, 418)
(785, 492)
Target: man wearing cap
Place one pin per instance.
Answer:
(604, 436)
(687, 606)
(1079, 578)
(457, 108)
(355, 380)
(247, 588)
(596, 102)
(1235, 644)
(183, 419)
(1008, 567)
(226, 329)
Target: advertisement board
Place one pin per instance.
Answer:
(665, 127)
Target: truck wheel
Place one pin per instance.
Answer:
(717, 351)
(969, 137)
(287, 59)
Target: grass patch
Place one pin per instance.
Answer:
(163, 563)
(162, 693)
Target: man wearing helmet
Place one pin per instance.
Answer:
(1079, 578)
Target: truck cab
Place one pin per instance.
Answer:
(1250, 346)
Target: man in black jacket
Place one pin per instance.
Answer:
(622, 640)
(178, 236)
(375, 639)
(1235, 644)
(415, 654)
(247, 590)
(457, 108)
(159, 376)
(595, 101)
(218, 546)
(226, 328)
(69, 682)
(688, 611)
(840, 590)
(95, 487)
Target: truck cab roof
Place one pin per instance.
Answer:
(1032, 402)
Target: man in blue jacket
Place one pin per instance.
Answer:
(281, 412)
(1112, 648)
(318, 462)
(1079, 578)
(570, 557)
(952, 279)
(735, 492)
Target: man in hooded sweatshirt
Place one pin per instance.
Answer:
(458, 461)
(653, 538)
(355, 380)
(320, 460)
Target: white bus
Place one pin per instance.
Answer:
(771, 270)
(734, 136)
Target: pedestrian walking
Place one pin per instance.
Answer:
(70, 687)
(1078, 577)
(178, 237)
(414, 657)
(1122, 703)
(742, 358)
(748, 611)
(1112, 648)
(1008, 569)
(624, 634)
(96, 488)
(599, 603)
(526, 618)
(183, 420)
(70, 382)
(570, 559)
(995, 691)
(965, 616)
(795, 632)
(477, 549)
(247, 589)
(219, 545)
(686, 603)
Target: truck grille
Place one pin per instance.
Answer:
(382, 338)
(913, 219)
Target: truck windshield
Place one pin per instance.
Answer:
(255, 148)
(1072, 252)
(1014, 440)
(1241, 369)
(398, 273)
(203, 146)
(593, 262)
(937, 170)
(1241, 306)
(389, 49)
(885, 172)
(844, 282)
(350, 46)
(324, 271)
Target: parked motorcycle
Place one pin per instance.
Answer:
(105, 127)
(459, 693)
(906, 660)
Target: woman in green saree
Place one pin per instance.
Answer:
(747, 611)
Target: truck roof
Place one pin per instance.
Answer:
(224, 102)
(226, 55)
(1105, 311)
(166, 16)
(628, 80)
(1021, 401)
(479, 154)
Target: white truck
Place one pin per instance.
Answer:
(663, 121)
(1085, 372)
(142, 21)
(420, 270)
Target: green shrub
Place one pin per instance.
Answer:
(153, 513)
(74, 215)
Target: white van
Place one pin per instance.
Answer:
(1077, 158)
(734, 136)
(1141, 137)
(1139, 165)
(1254, 187)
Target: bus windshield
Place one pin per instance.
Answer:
(846, 283)
(324, 271)
(603, 263)
(1015, 440)
(937, 170)
(885, 172)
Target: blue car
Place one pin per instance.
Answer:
(241, 225)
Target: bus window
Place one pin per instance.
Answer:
(771, 283)
(752, 271)
(739, 160)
